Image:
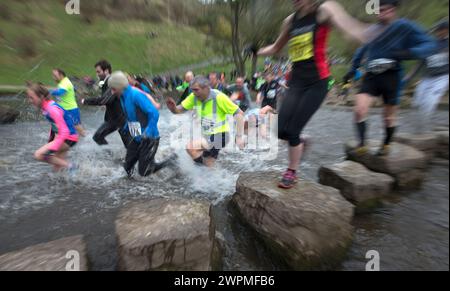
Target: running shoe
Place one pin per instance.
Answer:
(288, 180)
(384, 151)
(360, 151)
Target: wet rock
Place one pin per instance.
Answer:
(59, 255)
(166, 235)
(309, 226)
(405, 164)
(442, 144)
(357, 184)
(8, 114)
(426, 143)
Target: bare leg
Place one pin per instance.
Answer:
(57, 162)
(80, 130)
(295, 155)
(361, 110)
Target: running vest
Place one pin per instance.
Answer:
(307, 47)
(211, 122)
(67, 119)
(68, 100)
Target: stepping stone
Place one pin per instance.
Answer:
(357, 184)
(426, 143)
(67, 254)
(166, 235)
(405, 164)
(308, 227)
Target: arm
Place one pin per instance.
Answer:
(58, 92)
(248, 97)
(282, 40)
(173, 107)
(105, 99)
(152, 114)
(57, 115)
(240, 124)
(356, 63)
(259, 98)
(421, 44)
(153, 101)
(333, 13)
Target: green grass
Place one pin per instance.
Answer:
(68, 42)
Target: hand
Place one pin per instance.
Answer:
(240, 142)
(171, 104)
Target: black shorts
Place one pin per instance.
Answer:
(302, 101)
(387, 85)
(217, 142)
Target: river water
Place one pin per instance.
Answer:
(410, 230)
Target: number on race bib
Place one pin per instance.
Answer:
(135, 129)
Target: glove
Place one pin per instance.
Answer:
(350, 75)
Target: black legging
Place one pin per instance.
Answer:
(106, 129)
(143, 152)
(302, 101)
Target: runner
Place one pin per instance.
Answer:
(307, 31)
(114, 117)
(185, 88)
(212, 107)
(267, 99)
(133, 82)
(215, 83)
(396, 40)
(434, 83)
(63, 134)
(142, 123)
(65, 96)
(240, 94)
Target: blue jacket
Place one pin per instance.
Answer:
(138, 108)
(402, 40)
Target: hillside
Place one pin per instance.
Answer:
(36, 36)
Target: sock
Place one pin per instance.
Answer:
(199, 160)
(390, 131)
(362, 127)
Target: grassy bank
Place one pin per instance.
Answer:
(38, 36)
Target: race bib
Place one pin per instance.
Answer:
(438, 60)
(208, 125)
(135, 129)
(271, 94)
(301, 47)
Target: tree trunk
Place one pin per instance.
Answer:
(254, 64)
(235, 41)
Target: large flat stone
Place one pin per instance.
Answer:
(426, 142)
(405, 164)
(308, 226)
(357, 184)
(169, 235)
(53, 256)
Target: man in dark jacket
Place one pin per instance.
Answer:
(114, 117)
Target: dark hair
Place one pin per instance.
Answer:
(39, 89)
(394, 3)
(104, 65)
(61, 72)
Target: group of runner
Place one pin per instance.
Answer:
(133, 112)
